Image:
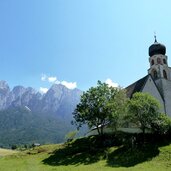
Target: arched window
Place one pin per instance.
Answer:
(158, 60)
(155, 74)
(152, 62)
(164, 61)
(164, 74)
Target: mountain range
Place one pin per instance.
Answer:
(27, 116)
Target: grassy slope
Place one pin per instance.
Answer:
(5, 152)
(71, 158)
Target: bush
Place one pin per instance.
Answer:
(13, 147)
(162, 125)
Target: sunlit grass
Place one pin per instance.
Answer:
(5, 152)
(76, 157)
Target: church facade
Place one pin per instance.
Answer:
(158, 80)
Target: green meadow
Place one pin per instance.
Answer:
(81, 155)
(6, 152)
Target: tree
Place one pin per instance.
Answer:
(118, 107)
(14, 147)
(99, 106)
(143, 110)
(162, 125)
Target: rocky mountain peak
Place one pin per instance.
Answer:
(4, 86)
(58, 99)
(18, 90)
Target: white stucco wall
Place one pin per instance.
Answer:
(166, 85)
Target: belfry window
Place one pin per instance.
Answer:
(152, 62)
(164, 61)
(164, 74)
(158, 60)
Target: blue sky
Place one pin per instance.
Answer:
(79, 41)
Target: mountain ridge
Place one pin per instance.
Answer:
(21, 96)
(27, 116)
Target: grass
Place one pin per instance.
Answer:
(5, 152)
(86, 154)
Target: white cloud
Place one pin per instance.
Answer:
(52, 79)
(70, 85)
(43, 90)
(43, 77)
(111, 83)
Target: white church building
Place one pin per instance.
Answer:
(157, 83)
(158, 80)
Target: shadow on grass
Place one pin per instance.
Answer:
(128, 157)
(75, 153)
(92, 149)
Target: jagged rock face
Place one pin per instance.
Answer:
(4, 88)
(4, 93)
(58, 100)
(52, 99)
(35, 102)
(16, 96)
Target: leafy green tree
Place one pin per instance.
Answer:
(99, 106)
(162, 125)
(143, 110)
(118, 107)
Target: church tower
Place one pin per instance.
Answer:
(161, 72)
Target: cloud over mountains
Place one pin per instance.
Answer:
(54, 80)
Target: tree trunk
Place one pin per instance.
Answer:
(101, 130)
(143, 135)
(98, 130)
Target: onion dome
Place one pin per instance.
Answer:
(157, 48)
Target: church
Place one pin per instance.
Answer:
(158, 80)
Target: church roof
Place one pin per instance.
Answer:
(136, 87)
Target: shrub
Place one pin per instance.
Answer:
(162, 125)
